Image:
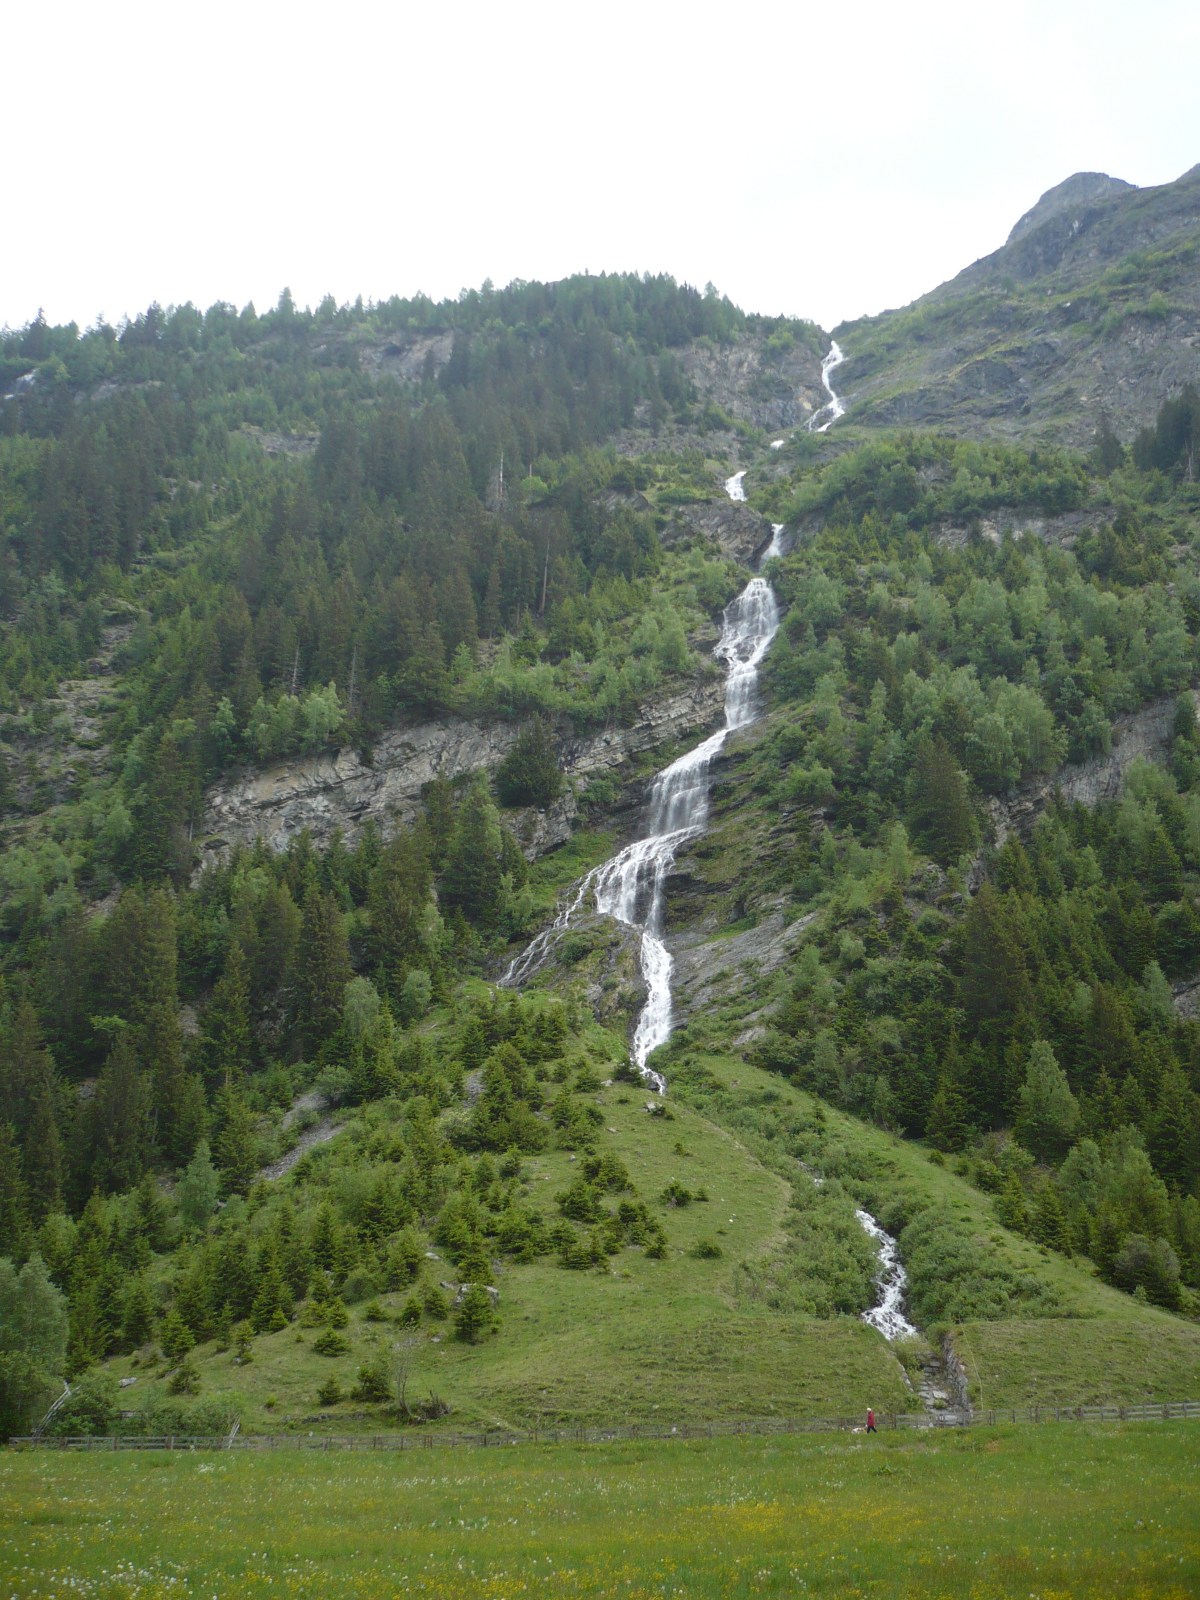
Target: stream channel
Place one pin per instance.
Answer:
(630, 886)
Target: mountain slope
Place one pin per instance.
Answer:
(1092, 306)
(397, 609)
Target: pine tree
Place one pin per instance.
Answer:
(174, 1336)
(472, 882)
(273, 1302)
(1048, 1118)
(949, 1124)
(940, 816)
(43, 1155)
(141, 955)
(530, 774)
(137, 1321)
(400, 901)
(1049, 1224)
(236, 1142)
(177, 1096)
(196, 1192)
(228, 1038)
(476, 1315)
(117, 1122)
(15, 1229)
(323, 971)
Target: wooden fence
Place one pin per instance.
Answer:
(419, 1439)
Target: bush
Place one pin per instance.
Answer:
(185, 1379)
(374, 1383)
(197, 1419)
(92, 1409)
(706, 1250)
(331, 1343)
(330, 1393)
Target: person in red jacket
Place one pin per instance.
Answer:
(870, 1420)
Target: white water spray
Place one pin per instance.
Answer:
(891, 1281)
(630, 885)
(833, 407)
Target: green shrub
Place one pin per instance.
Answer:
(330, 1343)
(185, 1379)
(374, 1383)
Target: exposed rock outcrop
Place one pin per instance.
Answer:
(711, 968)
(740, 532)
(1145, 734)
(1092, 305)
(324, 793)
(774, 389)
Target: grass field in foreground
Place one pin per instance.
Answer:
(1066, 1510)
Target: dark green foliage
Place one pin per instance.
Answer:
(174, 1336)
(329, 1393)
(33, 1343)
(322, 971)
(530, 774)
(473, 880)
(940, 817)
(374, 1382)
(476, 1316)
(185, 1379)
(330, 1343)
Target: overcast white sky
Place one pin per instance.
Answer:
(822, 161)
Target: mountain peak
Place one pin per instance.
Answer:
(1078, 189)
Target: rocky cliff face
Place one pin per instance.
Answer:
(1093, 305)
(739, 532)
(342, 791)
(1144, 735)
(772, 388)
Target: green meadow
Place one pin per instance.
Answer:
(1061, 1510)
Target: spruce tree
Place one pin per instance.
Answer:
(940, 816)
(196, 1192)
(1048, 1115)
(323, 971)
(472, 882)
(530, 774)
(228, 1038)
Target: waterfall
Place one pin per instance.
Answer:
(891, 1281)
(833, 405)
(630, 885)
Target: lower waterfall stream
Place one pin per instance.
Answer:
(630, 885)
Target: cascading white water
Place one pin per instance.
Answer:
(891, 1280)
(630, 885)
(833, 407)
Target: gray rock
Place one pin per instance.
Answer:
(324, 793)
(1145, 735)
